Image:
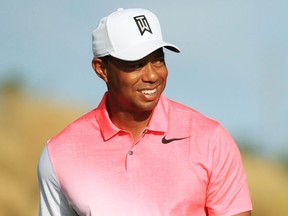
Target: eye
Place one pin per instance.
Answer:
(134, 66)
(159, 61)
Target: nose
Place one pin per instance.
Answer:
(150, 73)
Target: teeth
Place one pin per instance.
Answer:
(148, 91)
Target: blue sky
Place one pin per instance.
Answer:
(233, 64)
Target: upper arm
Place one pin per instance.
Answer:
(52, 200)
(228, 191)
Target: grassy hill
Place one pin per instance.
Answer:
(25, 126)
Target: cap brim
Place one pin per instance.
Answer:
(137, 52)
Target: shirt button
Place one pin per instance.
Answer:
(130, 152)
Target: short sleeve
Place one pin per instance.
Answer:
(227, 192)
(52, 200)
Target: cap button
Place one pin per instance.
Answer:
(120, 9)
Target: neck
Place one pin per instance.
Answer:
(135, 122)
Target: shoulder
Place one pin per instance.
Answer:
(76, 129)
(204, 132)
(73, 139)
(190, 115)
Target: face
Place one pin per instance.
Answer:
(135, 86)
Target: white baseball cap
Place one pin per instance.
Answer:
(128, 34)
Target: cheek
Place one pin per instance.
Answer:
(164, 74)
(163, 71)
(113, 82)
(121, 82)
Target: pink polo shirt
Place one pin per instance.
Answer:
(183, 164)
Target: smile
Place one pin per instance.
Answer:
(148, 92)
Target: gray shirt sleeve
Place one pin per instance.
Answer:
(52, 200)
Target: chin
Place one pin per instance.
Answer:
(148, 106)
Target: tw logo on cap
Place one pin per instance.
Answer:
(142, 24)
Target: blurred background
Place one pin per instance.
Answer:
(233, 67)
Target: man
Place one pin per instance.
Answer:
(139, 153)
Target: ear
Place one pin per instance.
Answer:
(100, 68)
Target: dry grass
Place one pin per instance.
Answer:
(268, 182)
(25, 126)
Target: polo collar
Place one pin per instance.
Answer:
(157, 123)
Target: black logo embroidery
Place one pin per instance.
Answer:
(142, 24)
(166, 141)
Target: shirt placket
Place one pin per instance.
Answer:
(131, 162)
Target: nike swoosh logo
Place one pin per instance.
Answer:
(166, 141)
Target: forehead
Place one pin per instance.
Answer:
(156, 54)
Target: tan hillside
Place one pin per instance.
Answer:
(25, 126)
